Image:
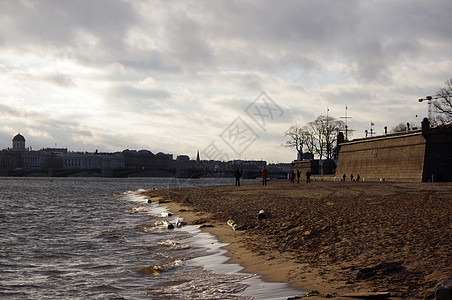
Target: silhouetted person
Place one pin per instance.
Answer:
(292, 177)
(298, 176)
(237, 177)
(264, 176)
(351, 177)
(358, 178)
(343, 177)
(308, 176)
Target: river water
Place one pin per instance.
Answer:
(97, 238)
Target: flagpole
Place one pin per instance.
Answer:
(346, 122)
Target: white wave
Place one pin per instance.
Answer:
(175, 245)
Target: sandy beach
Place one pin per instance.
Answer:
(338, 238)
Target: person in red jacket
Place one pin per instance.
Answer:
(264, 176)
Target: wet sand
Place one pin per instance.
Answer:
(338, 238)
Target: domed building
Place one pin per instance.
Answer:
(19, 142)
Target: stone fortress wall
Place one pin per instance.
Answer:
(423, 155)
(389, 158)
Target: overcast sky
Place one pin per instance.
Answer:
(227, 78)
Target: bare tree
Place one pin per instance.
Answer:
(443, 104)
(310, 142)
(299, 138)
(317, 130)
(317, 137)
(324, 131)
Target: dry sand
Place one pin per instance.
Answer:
(339, 238)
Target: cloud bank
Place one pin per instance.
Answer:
(172, 76)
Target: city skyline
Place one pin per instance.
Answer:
(19, 143)
(227, 78)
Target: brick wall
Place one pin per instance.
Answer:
(394, 158)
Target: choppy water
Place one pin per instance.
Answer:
(95, 238)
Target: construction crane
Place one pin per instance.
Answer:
(429, 101)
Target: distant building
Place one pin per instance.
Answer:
(18, 143)
(10, 160)
(32, 160)
(183, 158)
(56, 151)
(86, 160)
(146, 159)
(305, 156)
(280, 167)
(246, 165)
(20, 157)
(21, 161)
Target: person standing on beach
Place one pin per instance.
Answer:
(308, 176)
(264, 176)
(292, 177)
(298, 176)
(237, 177)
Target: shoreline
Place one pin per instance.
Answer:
(264, 265)
(255, 249)
(237, 254)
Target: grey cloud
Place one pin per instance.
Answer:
(49, 23)
(64, 130)
(6, 136)
(261, 35)
(54, 78)
(306, 25)
(209, 49)
(43, 121)
(126, 91)
(63, 135)
(63, 80)
(297, 60)
(126, 98)
(356, 96)
(185, 38)
(64, 123)
(150, 61)
(370, 36)
(117, 142)
(390, 33)
(7, 110)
